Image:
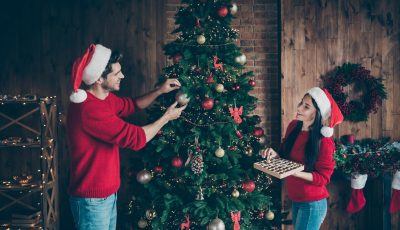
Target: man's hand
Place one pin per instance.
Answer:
(169, 85)
(173, 112)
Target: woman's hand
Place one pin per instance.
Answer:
(268, 153)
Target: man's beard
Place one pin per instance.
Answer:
(107, 87)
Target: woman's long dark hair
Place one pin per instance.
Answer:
(313, 143)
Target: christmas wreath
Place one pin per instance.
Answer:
(371, 91)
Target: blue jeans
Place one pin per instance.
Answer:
(309, 215)
(94, 213)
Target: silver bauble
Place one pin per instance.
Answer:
(234, 8)
(151, 214)
(144, 176)
(216, 224)
(182, 98)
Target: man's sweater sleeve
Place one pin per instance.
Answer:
(325, 164)
(102, 124)
(125, 106)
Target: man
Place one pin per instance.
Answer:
(96, 132)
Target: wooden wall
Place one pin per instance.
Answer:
(317, 36)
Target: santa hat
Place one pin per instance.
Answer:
(88, 69)
(328, 108)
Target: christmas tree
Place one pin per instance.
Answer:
(198, 171)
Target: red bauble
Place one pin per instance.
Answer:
(235, 87)
(232, 148)
(177, 58)
(258, 132)
(176, 162)
(252, 83)
(158, 169)
(207, 104)
(249, 186)
(238, 134)
(222, 11)
(260, 215)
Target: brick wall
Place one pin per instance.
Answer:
(257, 22)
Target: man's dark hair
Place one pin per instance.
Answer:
(114, 58)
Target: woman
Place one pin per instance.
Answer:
(304, 144)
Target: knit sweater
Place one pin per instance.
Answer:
(300, 190)
(95, 132)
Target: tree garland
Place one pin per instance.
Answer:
(373, 91)
(368, 156)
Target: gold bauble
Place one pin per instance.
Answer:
(235, 193)
(270, 215)
(142, 223)
(220, 152)
(201, 39)
(219, 88)
(151, 214)
(182, 98)
(248, 150)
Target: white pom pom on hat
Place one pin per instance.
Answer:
(328, 108)
(88, 69)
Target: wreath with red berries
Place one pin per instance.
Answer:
(370, 89)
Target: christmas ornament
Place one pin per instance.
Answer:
(219, 88)
(236, 113)
(143, 176)
(235, 193)
(158, 169)
(210, 79)
(186, 225)
(200, 195)
(270, 215)
(235, 87)
(350, 139)
(258, 132)
(219, 152)
(177, 58)
(201, 39)
(142, 223)
(239, 134)
(235, 219)
(216, 224)
(241, 59)
(182, 98)
(260, 214)
(207, 104)
(234, 8)
(176, 162)
(252, 83)
(198, 23)
(197, 164)
(232, 148)
(248, 150)
(249, 186)
(151, 214)
(222, 11)
(217, 65)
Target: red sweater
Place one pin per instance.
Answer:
(95, 132)
(300, 190)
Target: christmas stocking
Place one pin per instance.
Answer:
(357, 199)
(395, 201)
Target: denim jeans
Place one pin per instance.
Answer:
(94, 213)
(309, 215)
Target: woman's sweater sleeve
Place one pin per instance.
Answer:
(325, 163)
